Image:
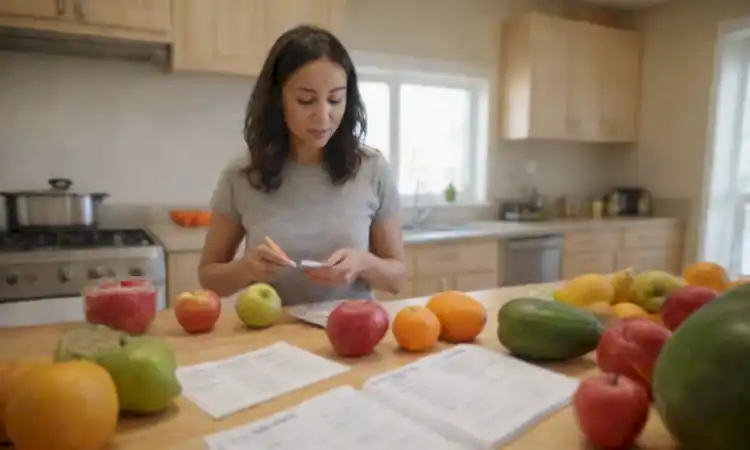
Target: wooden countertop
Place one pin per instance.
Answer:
(184, 425)
(177, 239)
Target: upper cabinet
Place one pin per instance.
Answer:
(146, 20)
(234, 36)
(568, 80)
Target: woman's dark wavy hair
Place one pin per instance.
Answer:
(266, 133)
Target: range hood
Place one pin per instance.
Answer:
(47, 42)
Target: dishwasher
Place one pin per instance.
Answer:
(532, 260)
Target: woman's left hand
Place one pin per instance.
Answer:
(342, 267)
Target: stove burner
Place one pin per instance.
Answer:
(72, 239)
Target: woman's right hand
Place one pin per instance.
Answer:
(264, 262)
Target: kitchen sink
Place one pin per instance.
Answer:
(434, 228)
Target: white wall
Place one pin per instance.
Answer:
(148, 137)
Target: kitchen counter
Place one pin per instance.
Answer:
(184, 426)
(178, 239)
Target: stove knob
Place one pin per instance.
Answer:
(63, 275)
(11, 279)
(136, 271)
(96, 273)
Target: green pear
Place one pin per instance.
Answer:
(142, 367)
(651, 287)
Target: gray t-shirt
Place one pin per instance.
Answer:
(310, 217)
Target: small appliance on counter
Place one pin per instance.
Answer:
(627, 202)
(521, 211)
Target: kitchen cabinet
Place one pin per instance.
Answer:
(643, 246)
(569, 80)
(234, 36)
(143, 20)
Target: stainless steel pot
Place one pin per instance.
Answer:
(54, 208)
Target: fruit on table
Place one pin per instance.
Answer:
(259, 306)
(651, 287)
(584, 290)
(622, 284)
(700, 383)
(142, 367)
(355, 327)
(197, 312)
(631, 347)
(603, 311)
(683, 302)
(128, 305)
(539, 329)
(627, 310)
(462, 318)
(707, 274)
(416, 328)
(611, 410)
(63, 406)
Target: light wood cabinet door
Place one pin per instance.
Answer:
(550, 78)
(653, 259)
(620, 86)
(475, 281)
(222, 36)
(33, 8)
(147, 15)
(575, 264)
(585, 81)
(182, 273)
(282, 15)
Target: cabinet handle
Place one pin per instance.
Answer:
(79, 9)
(60, 7)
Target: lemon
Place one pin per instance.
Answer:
(584, 290)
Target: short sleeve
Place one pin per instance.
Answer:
(388, 195)
(223, 197)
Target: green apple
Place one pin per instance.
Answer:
(259, 306)
(143, 368)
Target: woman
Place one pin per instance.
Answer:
(308, 185)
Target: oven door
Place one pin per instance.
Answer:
(41, 311)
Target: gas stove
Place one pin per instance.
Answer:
(42, 264)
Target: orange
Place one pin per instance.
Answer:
(10, 373)
(416, 328)
(461, 317)
(73, 403)
(706, 274)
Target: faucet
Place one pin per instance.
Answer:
(420, 214)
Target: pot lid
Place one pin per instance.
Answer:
(58, 187)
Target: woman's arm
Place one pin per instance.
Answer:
(385, 269)
(217, 270)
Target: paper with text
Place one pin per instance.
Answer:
(224, 387)
(487, 395)
(314, 313)
(340, 419)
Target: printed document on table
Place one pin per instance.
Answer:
(314, 313)
(340, 419)
(224, 387)
(478, 395)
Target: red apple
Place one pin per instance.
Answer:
(198, 311)
(611, 410)
(630, 347)
(355, 327)
(680, 304)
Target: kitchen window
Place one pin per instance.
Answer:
(431, 123)
(726, 231)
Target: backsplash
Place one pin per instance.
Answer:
(152, 139)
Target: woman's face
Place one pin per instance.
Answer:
(314, 100)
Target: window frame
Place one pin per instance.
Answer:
(722, 228)
(395, 71)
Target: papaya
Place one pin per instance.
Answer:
(543, 330)
(701, 375)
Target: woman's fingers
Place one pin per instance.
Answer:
(271, 256)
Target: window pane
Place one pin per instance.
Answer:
(376, 97)
(433, 138)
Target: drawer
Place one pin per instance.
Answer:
(580, 263)
(424, 287)
(406, 292)
(667, 259)
(650, 237)
(475, 282)
(589, 241)
(452, 259)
